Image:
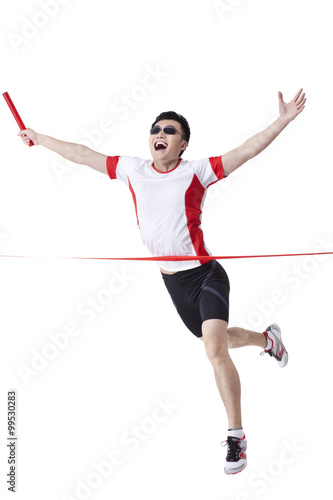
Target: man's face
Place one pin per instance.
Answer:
(166, 146)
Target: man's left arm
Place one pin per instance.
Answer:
(256, 144)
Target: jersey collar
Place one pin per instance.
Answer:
(159, 171)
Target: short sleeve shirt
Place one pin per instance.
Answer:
(169, 204)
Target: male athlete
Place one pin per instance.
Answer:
(168, 194)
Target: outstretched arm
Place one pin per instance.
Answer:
(253, 146)
(76, 153)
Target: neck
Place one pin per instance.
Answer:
(166, 165)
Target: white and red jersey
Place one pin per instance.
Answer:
(168, 204)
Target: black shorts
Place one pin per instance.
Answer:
(199, 294)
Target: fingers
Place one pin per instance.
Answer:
(24, 137)
(301, 100)
(300, 109)
(301, 104)
(297, 95)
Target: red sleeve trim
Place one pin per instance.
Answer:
(216, 164)
(111, 166)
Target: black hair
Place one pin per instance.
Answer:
(172, 115)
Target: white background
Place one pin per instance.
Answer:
(68, 68)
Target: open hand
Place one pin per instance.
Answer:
(289, 111)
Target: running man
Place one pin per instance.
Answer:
(168, 195)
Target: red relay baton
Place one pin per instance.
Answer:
(15, 114)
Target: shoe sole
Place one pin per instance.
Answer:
(233, 472)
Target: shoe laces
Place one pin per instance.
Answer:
(233, 448)
(268, 352)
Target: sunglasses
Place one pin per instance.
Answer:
(169, 130)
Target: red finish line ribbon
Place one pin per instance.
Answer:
(171, 257)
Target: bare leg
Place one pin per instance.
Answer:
(215, 338)
(239, 337)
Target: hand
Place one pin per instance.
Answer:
(27, 135)
(289, 111)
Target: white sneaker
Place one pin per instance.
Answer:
(236, 460)
(278, 350)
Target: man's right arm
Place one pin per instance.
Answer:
(77, 153)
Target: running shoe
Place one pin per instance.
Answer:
(236, 460)
(278, 350)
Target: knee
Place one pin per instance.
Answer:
(216, 353)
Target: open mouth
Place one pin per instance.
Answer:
(159, 145)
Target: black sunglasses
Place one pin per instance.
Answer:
(169, 130)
